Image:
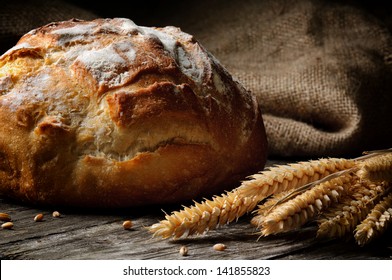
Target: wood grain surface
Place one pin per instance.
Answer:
(80, 234)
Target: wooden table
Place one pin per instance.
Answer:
(81, 234)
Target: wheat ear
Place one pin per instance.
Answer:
(377, 169)
(282, 197)
(266, 207)
(223, 209)
(375, 223)
(304, 207)
(344, 217)
(286, 177)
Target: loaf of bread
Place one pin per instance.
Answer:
(106, 113)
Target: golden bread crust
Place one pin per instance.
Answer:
(106, 113)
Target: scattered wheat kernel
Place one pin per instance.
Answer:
(38, 217)
(127, 224)
(5, 217)
(184, 251)
(7, 225)
(56, 214)
(219, 247)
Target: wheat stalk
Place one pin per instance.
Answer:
(304, 207)
(223, 209)
(375, 223)
(344, 217)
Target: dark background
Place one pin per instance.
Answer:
(19, 17)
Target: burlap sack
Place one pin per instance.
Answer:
(18, 17)
(321, 69)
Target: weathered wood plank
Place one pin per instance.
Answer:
(81, 234)
(101, 236)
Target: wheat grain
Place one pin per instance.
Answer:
(7, 225)
(375, 223)
(184, 251)
(342, 219)
(302, 208)
(223, 209)
(127, 224)
(219, 247)
(56, 214)
(38, 218)
(5, 217)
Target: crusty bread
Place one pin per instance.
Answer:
(106, 113)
